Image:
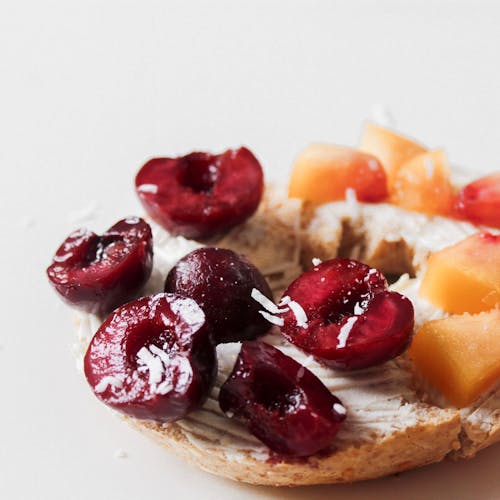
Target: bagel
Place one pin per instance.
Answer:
(394, 422)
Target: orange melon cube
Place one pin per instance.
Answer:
(323, 173)
(459, 355)
(464, 277)
(423, 184)
(390, 148)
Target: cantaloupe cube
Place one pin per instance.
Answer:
(323, 173)
(460, 355)
(423, 184)
(464, 277)
(390, 148)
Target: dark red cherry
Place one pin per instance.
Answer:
(221, 282)
(99, 273)
(281, 402)
(353, 321)
(201, 195)
(153, 358)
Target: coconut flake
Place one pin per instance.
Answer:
(267, 304)
(300, 314)
(345, 331)
(339, 409)
(316, 261)
(148, 188)
(275, 320)
(116, 382)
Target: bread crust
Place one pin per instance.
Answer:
(439, 432)
(424, 443)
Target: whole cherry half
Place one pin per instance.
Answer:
(479, 201)
(281, 402)
(98, 273)
(353, 321)
(201, 195)
(221, 282)
(153, 358)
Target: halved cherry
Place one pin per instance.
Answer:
(201, 195)
(353, 321)
(281, 402)
(221, 282)
(479, 201)
(153, 358)
(98, 273)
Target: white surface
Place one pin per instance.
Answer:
(89, 90)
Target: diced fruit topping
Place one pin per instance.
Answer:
(353, 321)
(153, 358)
(464, 277)
(201, 195)
(390, 148)
(99, 273)
(423, 184)
(460, 355)
(221, 282)
(479, 201)
(324, 172)
(282, 403)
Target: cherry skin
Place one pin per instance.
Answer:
(153, 358)
(221, 282)
(479, 201)
(98, 273)
(353, 321)
(281, 402)
(201, 195)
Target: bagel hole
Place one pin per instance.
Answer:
(199, 172)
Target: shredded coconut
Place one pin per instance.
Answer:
(316, 261)
(109, 381)
(275, 320)
(148, 188)
(345, 331)
(267, 304)
(300, 314)
(339, 409)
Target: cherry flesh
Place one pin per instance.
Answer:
(98, 273)
(281, 402)
(221, 282)
(353, 321)
(201, 195)
(153, 358)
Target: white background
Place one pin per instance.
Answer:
(90, 90)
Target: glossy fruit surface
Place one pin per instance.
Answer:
(460, 355)
(221, 282)
(281, 402)
(353, 321)
(464, 277)
(392, 149)
(423, 184)
(98, 273)
(153, 358)
(479, 201)
(201, 195)
(324, 172)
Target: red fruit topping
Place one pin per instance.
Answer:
(99, 273)
(479, 201)
(153, 358)
(352, 320)
(221, 282)
(201, 195)
(281, 402)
